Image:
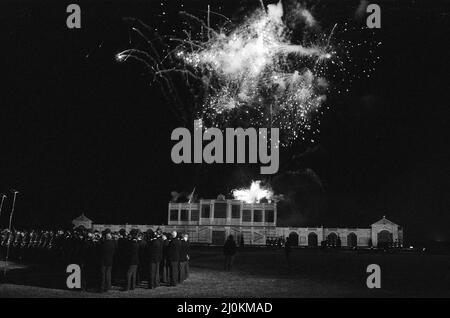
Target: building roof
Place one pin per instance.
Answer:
(82, 218)
(384, 221)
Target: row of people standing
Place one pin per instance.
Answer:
(107, 258)
(161, 259)
(29, 246)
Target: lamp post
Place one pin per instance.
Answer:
(1, 204)
(10, 222)
(12, 209)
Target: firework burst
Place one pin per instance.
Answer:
(250, 74)
(256, 76)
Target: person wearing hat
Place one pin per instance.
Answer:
(120, 257)
(107, 249)
(143, 264)
(91, 260)
(132, 260)
(173, 255)
(184, 258)
(80, 255)
(229, 250)
(155, 250)
(164, 265)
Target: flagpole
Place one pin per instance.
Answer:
(10, 223)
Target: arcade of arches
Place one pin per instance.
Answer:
(380, 234)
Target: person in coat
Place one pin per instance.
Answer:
(184, 258)
(229, 250)
(173, 256)
(155, 256)
(107, 250)
(132, 260)
(287, 251)
(164, 265)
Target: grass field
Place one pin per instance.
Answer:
(261, 272)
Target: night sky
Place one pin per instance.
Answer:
(80, 132)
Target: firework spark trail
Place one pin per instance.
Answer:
(152, 61)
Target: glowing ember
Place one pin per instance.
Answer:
(254, 194)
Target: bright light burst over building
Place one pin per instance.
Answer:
(254, 194)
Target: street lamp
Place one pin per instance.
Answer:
(1, 204)
(12, 209)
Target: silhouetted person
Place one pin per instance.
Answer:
(142, 271)
(164, 265)
(229, 250)
(155, 256)
(338, 242)
(184, 257)
(121, 256)
(107, 250)
(80, 257)
(288, 250)
(92, 262)
(132, 260)
(173, 255)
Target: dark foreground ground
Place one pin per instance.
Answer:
(261, 272)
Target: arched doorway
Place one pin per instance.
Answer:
(332, 239)
(384, 238)
(352, 240)
(312, 239)
(293, 239)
